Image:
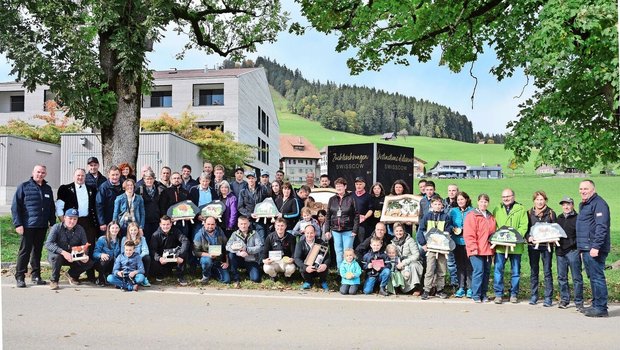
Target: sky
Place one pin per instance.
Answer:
(314, 55)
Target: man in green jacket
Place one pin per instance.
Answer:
(510, 214)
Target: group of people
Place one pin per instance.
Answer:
(126, 223)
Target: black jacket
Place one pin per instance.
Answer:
(364, 247)
(286, 244)
(170, 196)
(247, 200)
(33, 205)
(161, 241)
(66, 193)
(61, 238)
(301, 252)
(349, 217)
(151, 203)
(568, 223)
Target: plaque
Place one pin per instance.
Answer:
(316, 255)
(403, 208)
(215, 249)
(80, 252)
(275, 255)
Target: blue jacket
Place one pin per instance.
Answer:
(106, 195)
(121, 206)
(441, 221)
(142, 248)
(33, 205)
(458, 220)
(101, 247)
(369, 257)
(128, 264)
(353, 267)
(592, 225)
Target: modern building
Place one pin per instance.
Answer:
(484, 172)
(297, 158)
(235, 100)
(449, 169)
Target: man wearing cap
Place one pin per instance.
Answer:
(94, 178)
(264, 179)
(106, 195)
(33, 212)
(363, 205)
(62, 237)
(593, 241)
(248, 198)
(238, 183)
(568, 255)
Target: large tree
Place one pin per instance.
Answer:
(92, 53)
(567, 48)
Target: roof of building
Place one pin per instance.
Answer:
(201, 73)
(388, 135)
(292, 146)
(488, 168)
(420, 160)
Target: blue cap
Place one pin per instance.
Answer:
(72, 213)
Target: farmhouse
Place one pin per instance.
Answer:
(297, 158)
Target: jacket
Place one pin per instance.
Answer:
(170, 196)
(62, 239)
(517, 219)
(128, 264)
(425, 207)
(568, 223)
(236, 187)
(230, 215)
(458, 220)
(369, 257)
(285, 244)
(547, 216)
(302, 249)
(300, 226)
(187, 185)
(353, 267)
(408, 252)
(121, 206)
(202, 241)
(252, 242)
(432, 219)
(593, 225)
(151, 202)
(102, 247)
(171, 240)
(106, 195)
(477, 231)
(349, 218)
(95, 182)
(142, 248)
(67, 194)
(247, 200)
(194, 195)
(364, 247)
(33, 205)
(290, 211)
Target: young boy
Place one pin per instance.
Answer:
(377, 265)
(128, 272)
(436, 263)
(306, 214)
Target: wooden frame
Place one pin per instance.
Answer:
(403, 208)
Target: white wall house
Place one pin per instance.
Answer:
(298, 157)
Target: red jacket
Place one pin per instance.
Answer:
(476, 231)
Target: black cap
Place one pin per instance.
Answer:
(92, 160)
(360, 179)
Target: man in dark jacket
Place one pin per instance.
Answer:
(187, 181)
(33, 212)
(279, 241)
(568, 256)
(106, 195)
(248, 198)
(315, 269)
(94, 178)
(379, 233)
(594, 243)
(173, 195)
(168, 237)
(63, 236)
(151, 192)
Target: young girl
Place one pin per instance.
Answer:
(350, 271)
(107, 248)
(135, 235)
(396, 276)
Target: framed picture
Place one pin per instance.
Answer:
(321, 197)
(403, 208)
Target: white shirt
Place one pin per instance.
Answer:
(81, 193)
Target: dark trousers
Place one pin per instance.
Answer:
(92, 233)
(572, 259)
(595, 268)
(30, 248)
(251, 266)
(463, 267)
(158, 269)
(104, 268)
(310, 276)
(75, 270)
(149, 229)
(536, 256)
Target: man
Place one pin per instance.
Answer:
(218, 172)
(207, 168)
(279, 241)
(593, 241)
(280, 176)
(238, 183)
(247, 200)
(364, 207)
(172, 195)
(425, 202)
(244, 248)
(106, 195)
(151, 192)
(78, 195)
(310, 179)
(94, 178)
(164, 176)
(379, 233)
(33, 212)
(168, 237)
(302, 195)
(212, 261)
(186, 175)
(448, 203)
(422, 187)
(310, 272)
(324, 181)
(145, 168)
(62, 237)
(511, 214)
(264, 179)
(569, 256)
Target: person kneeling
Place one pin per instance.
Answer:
(376, 263)
(244, 247)
(209, 243)
(279, 248)
(168, 248)
(317, 267)
(128, 272)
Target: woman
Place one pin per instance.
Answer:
(410, 264)
(399, 187)
(229, 217)
(129, 207)
(342, 219)
(479, 226)
(463, 265)
(126, 172)
(107, 248)
(377, 197)
(150, 191)
(540, 213)
(288, 206)
(276, 190)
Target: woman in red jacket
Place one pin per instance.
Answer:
(479, 226)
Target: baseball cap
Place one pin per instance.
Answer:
(567, 199)
(92, 160)
(264, 173)
(250, 173)
(72, 213)
(239, 169)
(360, 179)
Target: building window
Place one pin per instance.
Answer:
(263, 122)
(211, 97)
(263, 151)
(17, 103)
(161, 99)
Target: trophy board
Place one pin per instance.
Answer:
(403, 208)
(316, 255)
(507, 237)
(214, 209)
(543, 232)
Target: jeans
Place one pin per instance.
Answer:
(125, 283)
(535, 257)
(30, 247)
(384, 277)
(480, 276)
(342, 241)
(209, 267)
(595, 268)
(454, 280)
(572, 259)
(498, 276)
(463, 267)
(251, 266)
(349, 289)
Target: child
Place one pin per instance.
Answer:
(107, 248)
(128, 272)
(436, 263)
(396, 276)
(306, 214)
(376, 263)
(350, 271)
(134, 234)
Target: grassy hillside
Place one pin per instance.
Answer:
(426, 148)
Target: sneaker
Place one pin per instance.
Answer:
(146, 282)
(498, 300)
(383, 292)
(485, 300)
(441, 294)
(182, 281)
(425, 295)
(100, 282)
(159, 279)
(579, 306)
(325, 286)
(237, 285)
(460, 293)
(596, 313)
(563, 305)
(136, 287)
(477, 301)
(306, 285)
(204, 280)
(548, 302)
(38, 281)
(533, 300)
(72, 281)
(468, 294)
(20, 283)
(514, 299)
(53, 285)
(583, 309)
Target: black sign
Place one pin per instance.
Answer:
(394, 163)
(351, 161)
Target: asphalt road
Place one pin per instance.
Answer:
(88, 317)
